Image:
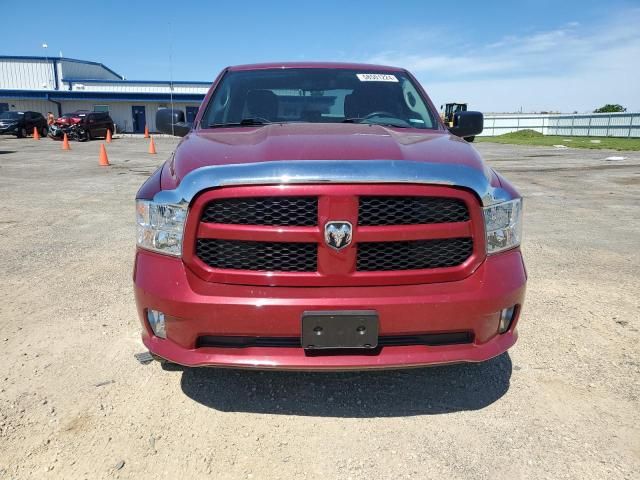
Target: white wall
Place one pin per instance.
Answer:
(27, 74)
(595, 124)
(130, 87)
(42, 106)
(120, 112)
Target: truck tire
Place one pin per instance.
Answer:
(21, 133)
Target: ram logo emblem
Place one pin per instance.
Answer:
(338, 235)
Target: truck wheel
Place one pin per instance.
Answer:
(22, 132)
(470, 139)
(44, 131)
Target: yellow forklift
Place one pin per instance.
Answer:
(449, 110)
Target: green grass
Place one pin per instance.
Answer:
(530, 137)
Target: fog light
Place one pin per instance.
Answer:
(506, 317)
(156, 321)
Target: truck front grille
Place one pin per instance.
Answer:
(419, 254)
(258, 256)
(275, 235)
(276, 211)
(380, 210)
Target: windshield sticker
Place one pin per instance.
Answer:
(376, 77)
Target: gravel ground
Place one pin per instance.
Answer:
(75, 403)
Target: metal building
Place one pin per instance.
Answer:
(63, 85)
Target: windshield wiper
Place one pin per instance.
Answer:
(242, 123)
(353, 120)
(395, 125)
(369, 121)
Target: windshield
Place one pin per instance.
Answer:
(317, 95)
(10, 115)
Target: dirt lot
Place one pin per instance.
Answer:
(75, 403)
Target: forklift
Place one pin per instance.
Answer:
(450, 109)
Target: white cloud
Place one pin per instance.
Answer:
(572, 67)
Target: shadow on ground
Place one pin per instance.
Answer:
(397, 393)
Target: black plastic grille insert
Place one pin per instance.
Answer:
(429, 339)
(262, 256)
(413, 255)
(277, 211)
(375, 211)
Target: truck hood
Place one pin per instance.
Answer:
(306, 153)
(308, 141)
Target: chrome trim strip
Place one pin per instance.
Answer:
(333, 171)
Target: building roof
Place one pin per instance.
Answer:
(63, 59)
(121, 80)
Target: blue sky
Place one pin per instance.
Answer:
(499, 56)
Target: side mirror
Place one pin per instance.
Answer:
(467, 124)
(172, 122)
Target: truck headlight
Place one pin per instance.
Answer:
(503, 225)
(160, 226)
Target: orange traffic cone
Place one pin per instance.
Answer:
(146, 131)
(65, 143)
(108, 136)
(152, 147)
(104, 160)
(36, 135)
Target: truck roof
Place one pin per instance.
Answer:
(330, 65)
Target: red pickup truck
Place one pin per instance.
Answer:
(320, 216)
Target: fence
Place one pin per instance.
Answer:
(592, 124)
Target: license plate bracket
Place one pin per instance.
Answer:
(336, 329)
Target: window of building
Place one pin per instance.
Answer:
(4, 107)
(101, 108)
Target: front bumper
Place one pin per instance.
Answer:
(9, 130)
(196, 308)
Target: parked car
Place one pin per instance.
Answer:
(94, 124)
(323, 217)
(22, 124)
